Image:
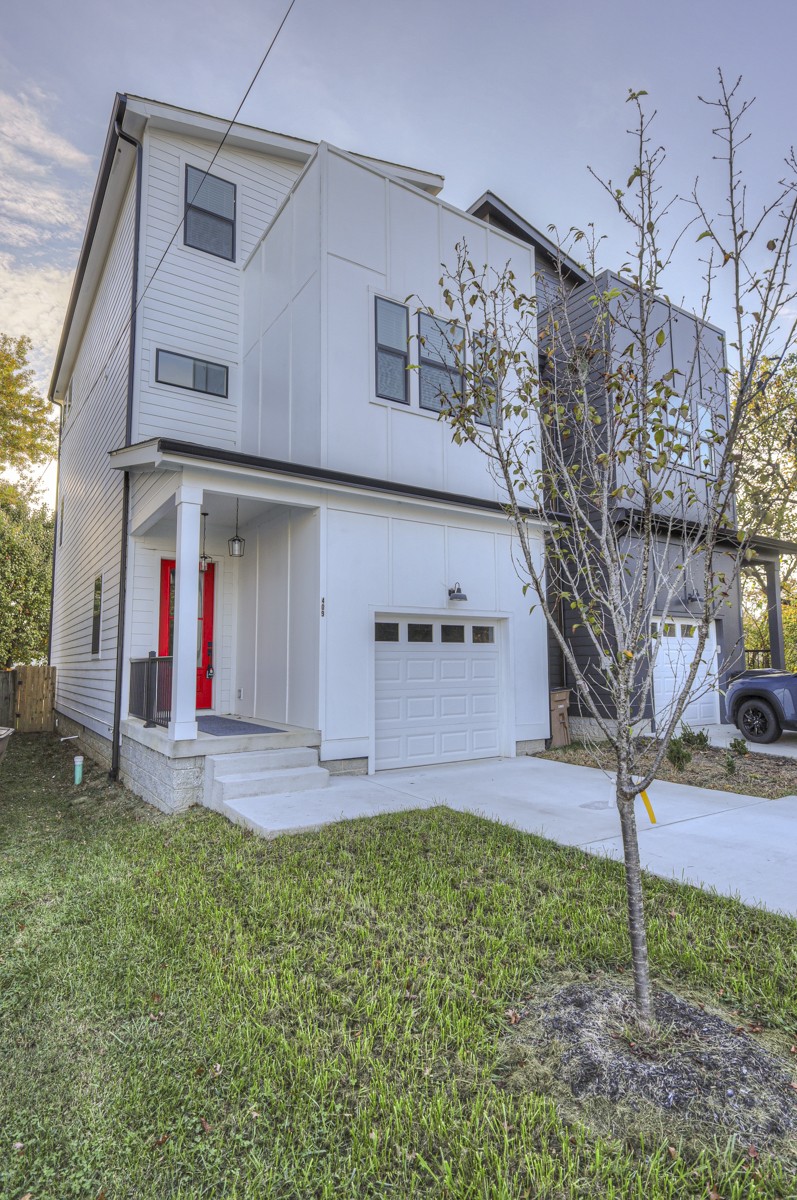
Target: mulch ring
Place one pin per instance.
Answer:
(695, 1077)
(751, 774)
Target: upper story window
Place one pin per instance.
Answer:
(180, 370)
(440, 357)
(209, 213)
(392, 334)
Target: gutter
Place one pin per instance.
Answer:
(106, 165)
(131, 363)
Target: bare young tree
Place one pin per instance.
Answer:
(604, 414)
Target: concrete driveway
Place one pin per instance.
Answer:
(723, 735)
(741, 846)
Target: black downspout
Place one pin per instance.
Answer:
(56, 530)
(120, 625)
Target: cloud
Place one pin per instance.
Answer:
(33, 301)
(39, 202)
(23, 126)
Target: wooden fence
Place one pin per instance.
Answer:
(27, 696)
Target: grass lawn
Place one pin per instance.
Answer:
(188, 1011)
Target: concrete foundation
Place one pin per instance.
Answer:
(170, 784)
(89, 743)
(530, 746)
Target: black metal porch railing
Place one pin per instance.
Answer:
(756, 659)
(151, 689)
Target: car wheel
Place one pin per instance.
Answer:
(757, 722)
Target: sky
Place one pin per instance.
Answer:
(520, 98)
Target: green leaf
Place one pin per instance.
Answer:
(704, 234)
(660, 338)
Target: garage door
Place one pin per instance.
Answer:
(436, 691)
(676, 652)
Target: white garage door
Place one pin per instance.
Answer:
(436, 691)
(676, 652)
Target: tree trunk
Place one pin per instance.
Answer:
(636, 914)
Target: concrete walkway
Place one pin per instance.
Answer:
(740, 845)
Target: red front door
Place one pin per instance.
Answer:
(204, 629)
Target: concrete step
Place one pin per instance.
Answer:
(262, 760)
(230, 777)
(270, 783)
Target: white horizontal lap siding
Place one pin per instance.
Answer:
(193, 303)
(92, 491)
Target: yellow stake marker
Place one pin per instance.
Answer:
(649, 807)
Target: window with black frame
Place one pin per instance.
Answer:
(209, 213)
(440, 358)
(196, 374)
(392, 377)
(96, 616)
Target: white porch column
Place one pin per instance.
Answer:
(182, 725)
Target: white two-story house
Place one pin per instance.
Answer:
(272, 561)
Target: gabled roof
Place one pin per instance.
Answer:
(495, 211)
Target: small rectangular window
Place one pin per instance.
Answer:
(668, 630)
(180, 370)
(452, 633)
(440, 362)
(96, 616)
(209, 213)
(482, 634)
(688, 631)
(419, 633)
(386, 631)
(392, 375)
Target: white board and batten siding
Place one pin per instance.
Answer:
(88, 541)
(394, 562)
(309, 330)
(193, 304)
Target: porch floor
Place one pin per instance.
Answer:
(248, 735)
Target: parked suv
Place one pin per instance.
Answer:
(763, 703)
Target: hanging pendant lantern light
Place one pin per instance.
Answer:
(204, 559)
(236, 544)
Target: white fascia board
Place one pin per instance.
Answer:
(141, 456)
(187, 122)
(197, 124)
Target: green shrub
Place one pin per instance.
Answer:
(678, 754)
(739, 747)
(694, 739)
(730, 762)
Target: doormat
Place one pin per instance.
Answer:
(226, 726)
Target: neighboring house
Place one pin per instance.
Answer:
(243, 374)
(695, 352)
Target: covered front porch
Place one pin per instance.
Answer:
(223, 615)
(221, 662)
